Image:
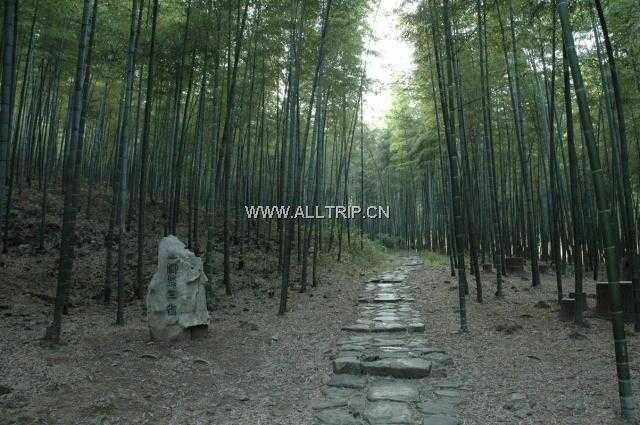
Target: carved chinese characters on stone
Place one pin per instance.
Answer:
(176, 299)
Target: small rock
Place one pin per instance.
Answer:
(357, 406)
(24, 248)
(5, 390)
(542, 304)
(347, 381)
(516, 401)
(508, 328)
(104, 404)
(575, 335)
(517, 397)
(248, 326)
(350, 365)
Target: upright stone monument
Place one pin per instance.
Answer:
(176, 300)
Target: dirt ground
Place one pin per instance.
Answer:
(253, 368)
(520, 363)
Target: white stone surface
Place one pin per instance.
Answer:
(176, 297)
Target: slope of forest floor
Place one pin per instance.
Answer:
(520, 364)
(253, 368)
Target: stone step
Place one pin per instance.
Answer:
(393, 277)
(381, 359)
(407, 367)
(396, 367)
(385, 327)
(385, 298)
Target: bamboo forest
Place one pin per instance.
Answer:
(327, 212)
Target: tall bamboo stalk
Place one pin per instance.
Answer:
(604, 214)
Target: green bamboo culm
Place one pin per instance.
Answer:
(604, 214)
(453, 170)
(630, 231)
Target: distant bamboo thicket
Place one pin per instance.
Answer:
(200, 107)
(524, 145)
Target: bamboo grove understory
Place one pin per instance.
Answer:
(516, 136)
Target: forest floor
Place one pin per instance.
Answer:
(253, 368)
(518, 364)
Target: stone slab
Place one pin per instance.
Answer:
(438, 407)
(440, 420)
(347, 381)
(336, 416)
(388, 412)
(398, 367)
(392, 391)
(350, 365)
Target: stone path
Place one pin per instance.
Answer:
(385, 372)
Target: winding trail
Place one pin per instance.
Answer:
(385, 371)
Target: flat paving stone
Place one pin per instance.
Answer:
(350, 365)
(351, 347)
(382, 298)
(350, 353)
(339, 394)
(440, 420)
(347, 381)
(337, 416)
(380, 349)
(438, 407)
(389, 341)
(357, 406)
(427, 350)
(389, 327)
(392, 391)
(327, 404)
(450, 384)
(356, 327)
(397, 355)
(396, 278)
(440, 358)
(448, 393)
(388, 412)
(398, 368)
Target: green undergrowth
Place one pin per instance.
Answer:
(435, 259)
(366, 253)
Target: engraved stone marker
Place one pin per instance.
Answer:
(176, 301)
